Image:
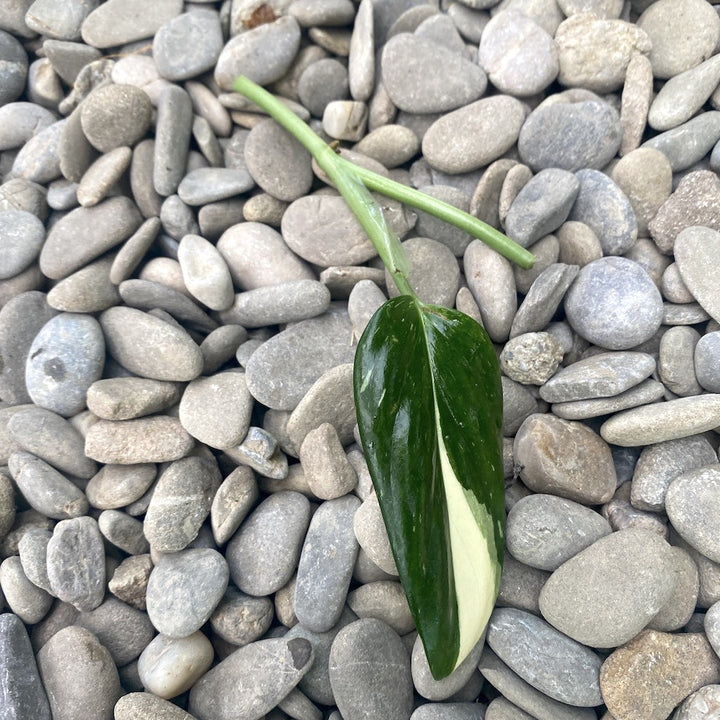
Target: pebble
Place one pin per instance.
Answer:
(386, 601)
(320, 83)
(594, 52)
(371, 533)
(379, 687)
(315, 346)
(694, 249)
(518, 404)
(688, 143)
(544, 531)
(252, 680)
(87, 290)
(518, 54)
(542, 205)
(79, 675)
(697, 705)
(125, 398)
(502, 709)
(587, 477)
(29, 602)
(206, 185)
(159, 438)
(172, 355)
(232, 502)
(601, 375)
(76, 563)
(19, 121)
(52, 438)
(205, 273)
(452, 144)
(673, 52)
(678, 418)
(23, 695)
(240, 619)
(263, 54)
(327, 469)
(614, 304)
(531, 358)
(326, 564)
(140, 705)
(170, 666)
(655, 671)
(525, 696)
(14, 68)
(116, 22)
(672, 286)
(675, 362)
(361, 56)
(183, 590)
(264, 553)
(706, 356)
(421, 76)
(32, 550)
(571, 135)
(21, 238)
(173, 128)
(545, 658)
(392, 145)
(123, 531)
(345, 120)
(129, 581)
(74, 240)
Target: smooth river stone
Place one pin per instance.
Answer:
(143, 705)
(544, 531)
(205, 273)
(564, 458)
(668, 420)
(150, 347)
(697, 250)
(602, 375)
(606, 594)
(251, 681)
(691, 503)
(125, 398)
(545, 658)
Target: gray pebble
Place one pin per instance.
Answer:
(32, 550)
(322, 82)
(129, 581)
(586, 476)
(263, 54)
(232, 502)
(326, 564)
(29, 602)
(173, 355)
(65, 358)
(14, 68)
(675, 361)
(264, 552)
(252, 680)
(76, 563)
(502, 709)
(74, 240)
(216, 217)
(688, 143)
(570, 134)
(672, 286)
(21, 238)
(614, 304)
(545, 658)
(607, 593)
(421, 76)
(518, 54)
(88, 290)
(23, 695)
(679, 609)
(19, 121)
(712, 627)
(188, 45)
(145, 440)
(696, 705)
(328, 472)
(124, 398)
(361, 58)
(345, 120)
(544, 531)
(139, 705)
(392, 145)
(694, 249)
(172, 137)
(205, 273)
(180, 503)
(79, 675)
(690, 502)
(371, 533)
(259, 451)
(384, 600)
(379, 687)
(452, 143)
(531, 358)
(518, 404)
(210, 184)
(184, 589)
(240, 619)
(670, 420)
(365, 299)
(601, 375)
(141, 179)
(220, 345)
(707, 361)
(123, 531)
(315, 345)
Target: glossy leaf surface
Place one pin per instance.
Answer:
(429, 407)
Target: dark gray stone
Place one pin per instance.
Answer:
(172, 139)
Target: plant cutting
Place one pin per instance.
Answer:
(428, 402)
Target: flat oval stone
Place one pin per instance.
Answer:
(614, 304)
(205, 273)
(690, 142)
(263, 54)
(173, 128)
(79, 675)
(38, 160)
(264, 552)
(689, 503)
(88, 290)
(252, 680)
(146, 440)
(66, 357)
(694, 707)
(170, 666)
(384, 600)
(123, 531)
(86, 233)
(28, 601)
(150, 347)
(140, 705)
(184, 589)
(125, 398)
(694, 250)
(421, 76)
(205, 185)
(570, 135)
(115, 486)
(315, 346)
(548, 660)
(452, 143)
(607, 593)
(380, 686)
(20, 121)
(544, 531)
(21, 238)
(76, 563)
(326, 564)
(707, 361)
(669, 420)
(232, 502)
(586, 475)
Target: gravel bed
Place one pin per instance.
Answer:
(187, 524)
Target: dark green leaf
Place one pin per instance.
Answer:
(429, 408)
